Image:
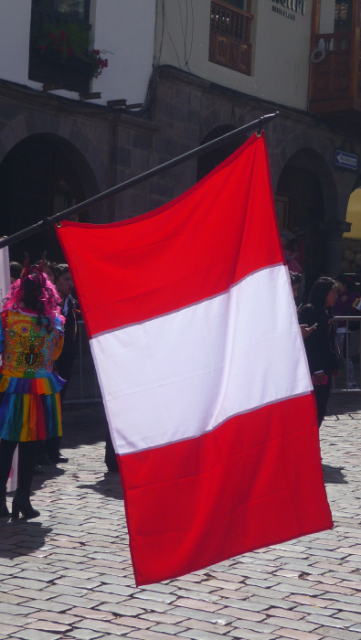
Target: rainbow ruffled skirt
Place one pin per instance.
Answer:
(30, 408)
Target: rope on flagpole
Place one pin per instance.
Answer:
(143, 177)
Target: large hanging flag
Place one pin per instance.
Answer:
(194, 335)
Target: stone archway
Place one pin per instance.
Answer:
(208, 161)
(307, 205)
(42, 175)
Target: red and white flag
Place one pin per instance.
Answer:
(205, 382)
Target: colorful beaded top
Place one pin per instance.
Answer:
(28, 353)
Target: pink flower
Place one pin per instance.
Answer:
(43, 47)
(62, 35)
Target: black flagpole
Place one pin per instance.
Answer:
(82, 206)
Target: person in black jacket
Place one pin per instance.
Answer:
(65, 363)
(320, 345)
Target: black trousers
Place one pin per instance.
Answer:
(28, 452)
(322, 393)
(65, 368)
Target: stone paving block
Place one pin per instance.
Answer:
(165, 618)
(34, 634)
(42, 576)
(202, 615)
(64, 589)
(256, 626)
(7, 629)
(47, 605)
(16, 620)
(46, 625)
(247, 605)
(297, 635)
(123, 609)
(149, 635)
(197, 634)
(341, 634)
(86, 634)
(121, 590)
(195, 604)
(285, 613)
(102, 626)
(73, 601)
(22, 583)
(299, 625)
(246, 634)
(60, 618)
(328, 621)
(79, 612)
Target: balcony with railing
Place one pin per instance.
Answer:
(335, 69)
(48, 64)
(230, 38)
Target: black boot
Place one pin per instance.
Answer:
(28, 453)
(4, 512)
(22, 504)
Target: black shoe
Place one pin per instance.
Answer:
(60, 458)
(44, 459)
(4, 512)
(22, 504)
(38, 471)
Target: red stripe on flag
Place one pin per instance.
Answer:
(253, 482)
(193, 248)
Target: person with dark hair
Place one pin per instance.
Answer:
(15, 271)
(31, 338)
(65, 363)
(346, 291)
(321, 343)
(296, 280)
(48, 268)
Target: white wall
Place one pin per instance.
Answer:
(125, 28)
(280, 56)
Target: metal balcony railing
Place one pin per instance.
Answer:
(230, 35)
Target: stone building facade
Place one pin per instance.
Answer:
(101, 147)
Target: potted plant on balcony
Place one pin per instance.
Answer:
(67, 47)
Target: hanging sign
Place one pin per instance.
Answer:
(345, 160)
(294, 6)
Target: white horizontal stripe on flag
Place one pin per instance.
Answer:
(179, 375)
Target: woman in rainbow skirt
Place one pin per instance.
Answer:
(31, 339)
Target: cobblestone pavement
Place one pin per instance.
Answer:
(68, 574)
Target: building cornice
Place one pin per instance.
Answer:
(69, 107)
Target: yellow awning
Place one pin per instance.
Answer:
(354, 215)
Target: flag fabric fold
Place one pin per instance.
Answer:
(204, 378)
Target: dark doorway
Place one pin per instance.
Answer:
(40, 176)
(300, 209)
(208, 161)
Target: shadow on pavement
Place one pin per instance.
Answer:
(21, 537)
(110, 486)
(342, 403)
(83, 424)
(333, 475)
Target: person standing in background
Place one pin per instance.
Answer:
(31, 338)
(320, 345)
(65, 363)
(346, 291)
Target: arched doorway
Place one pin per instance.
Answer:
(42, 175)
(208, 161)
(305, 199)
